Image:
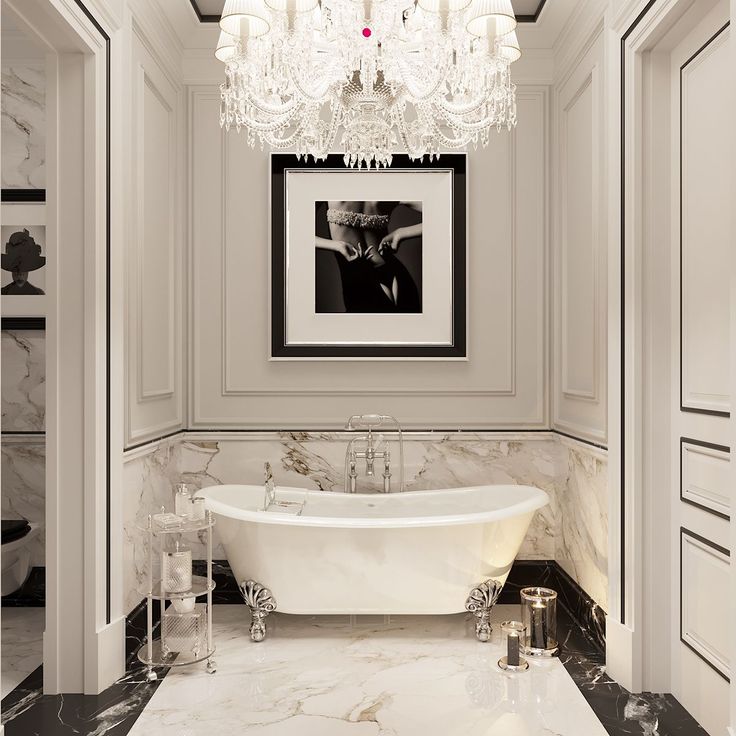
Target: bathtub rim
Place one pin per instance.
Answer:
(539, 499)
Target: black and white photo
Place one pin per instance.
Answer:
(368, 257)
(368, 265)
(24, 257)
(23, 261)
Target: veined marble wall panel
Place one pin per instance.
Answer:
(23, 380)
(24, 124)
(432, 460)
(582, 543)
(24, 486)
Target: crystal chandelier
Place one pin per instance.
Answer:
(422, 76)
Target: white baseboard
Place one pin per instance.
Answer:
(621, 660)
(109, 665)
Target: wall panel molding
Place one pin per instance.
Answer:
(154, 324)
(234, 386)
(705, 569)
(705, 476)
(704, 234)
(579, 288)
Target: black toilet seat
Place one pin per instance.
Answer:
(14, 529)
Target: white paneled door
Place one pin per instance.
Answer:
(702, 496)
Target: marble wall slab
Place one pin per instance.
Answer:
(24, 412)
(316, 460)
(24, 125)
(23, 380)
(582, 541)
(24, 486)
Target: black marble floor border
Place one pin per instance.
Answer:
(549, 574)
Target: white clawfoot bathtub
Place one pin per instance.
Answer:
(418, 552)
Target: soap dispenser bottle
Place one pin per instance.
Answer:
(183, 501)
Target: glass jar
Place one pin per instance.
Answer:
(539, 617)
(512, 642)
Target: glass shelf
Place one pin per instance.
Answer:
(175, 659)
(200, 586)
(187, 525)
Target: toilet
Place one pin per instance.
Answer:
(17, 535)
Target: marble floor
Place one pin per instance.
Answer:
(22, 644)
(400, 676)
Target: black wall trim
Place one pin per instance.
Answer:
(709, 445)
(24, 323)
(208, 18)
(622, 316)
(203, 18)
(717, 547)
(24, 195)
(590, 443)
(689, 409)
(532, 18)
(108, 231)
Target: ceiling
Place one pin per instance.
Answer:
(209, 11)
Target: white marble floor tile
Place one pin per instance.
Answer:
(22, 644)
(335, 676)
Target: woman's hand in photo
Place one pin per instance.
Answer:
(347, 251)
(391, 241)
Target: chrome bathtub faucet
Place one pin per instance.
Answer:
(269, 495)
(371, 449)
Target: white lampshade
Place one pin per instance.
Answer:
(225, 49)
(443, 6)
(293, 6)
(500, 13)
(245, 17)
(509, 48)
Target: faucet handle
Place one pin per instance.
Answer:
(268, 472)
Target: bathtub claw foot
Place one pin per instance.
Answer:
(480, 602)
(259, 600)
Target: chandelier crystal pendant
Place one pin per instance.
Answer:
(422, 76)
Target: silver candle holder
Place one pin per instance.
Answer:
(512, 642)
(539, 617)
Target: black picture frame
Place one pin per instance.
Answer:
(281, 163)
(26, 196)
(23, 323)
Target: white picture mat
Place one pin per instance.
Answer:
(303, 326)
(25, 215)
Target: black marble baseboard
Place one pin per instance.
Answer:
(32, 594)
(548, 573)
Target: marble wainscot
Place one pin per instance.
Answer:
(23, 425)
(24, 125)
(24, 486)
(433, 460)
(23, 380)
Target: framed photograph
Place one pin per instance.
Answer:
(23, 260)
(368, 265)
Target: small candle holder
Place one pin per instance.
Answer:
(512, 642)
(539, 617)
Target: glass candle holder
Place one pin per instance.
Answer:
(198, 509)
(176, 570)
(539, 616)
(512, 642)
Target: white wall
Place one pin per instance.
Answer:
(155, 236)
(579, 275)
(233, 385)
